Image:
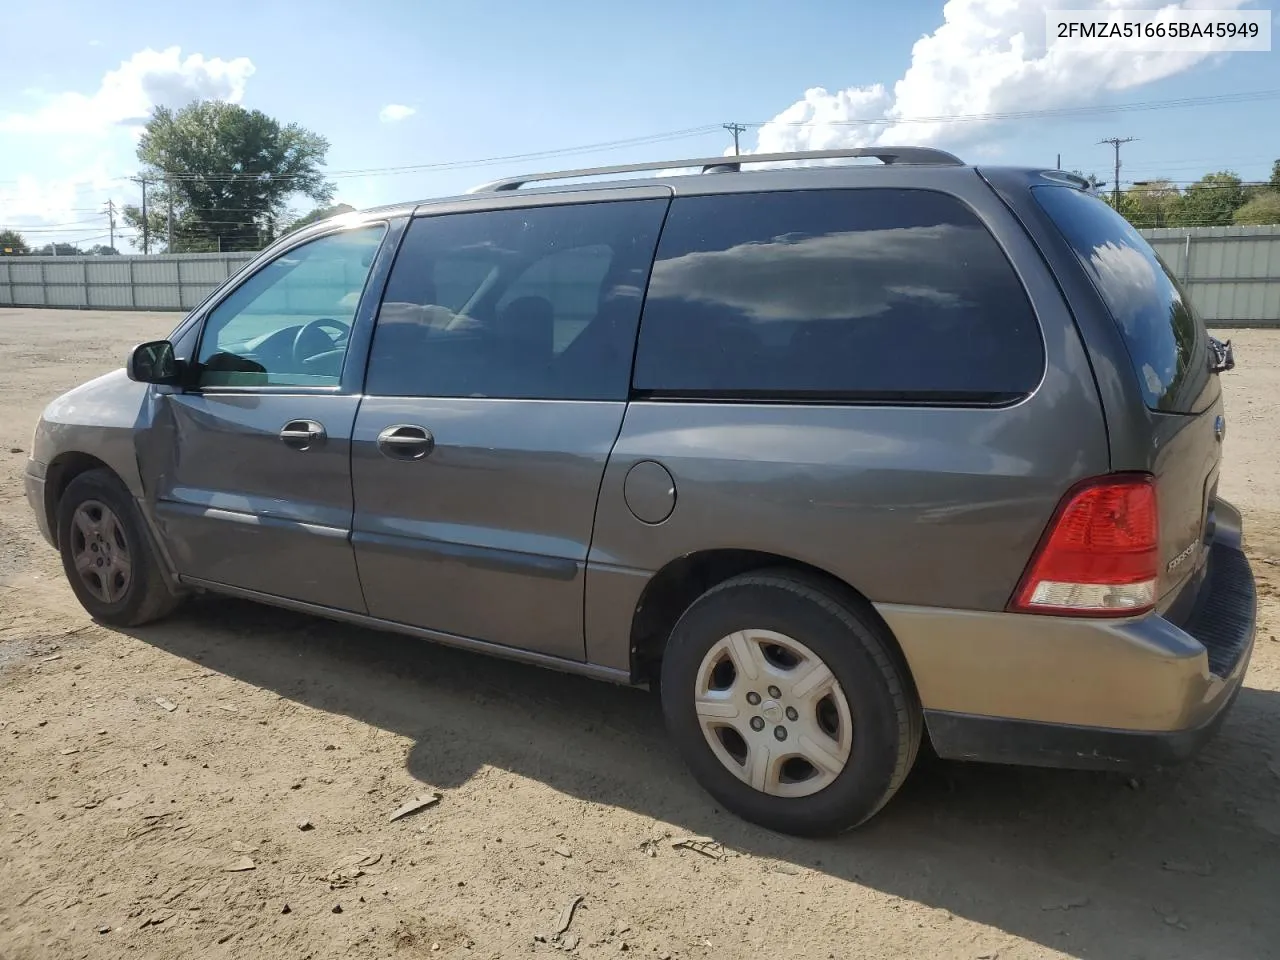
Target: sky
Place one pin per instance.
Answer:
(412, 96)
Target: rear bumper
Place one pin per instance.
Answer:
(958, 736)
(1051, 691)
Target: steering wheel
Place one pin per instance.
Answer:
(313, 329)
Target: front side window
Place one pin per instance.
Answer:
(289, 324)
(876, 295)
(531, 303)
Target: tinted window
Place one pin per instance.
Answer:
(570, 281)
(458, 279)
(290, 322)
(1167, 342)
(858, 294)
(538, 303)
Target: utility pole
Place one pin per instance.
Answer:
(735, 129)
(1115, 184)
(111, 221)
(146, 226)
(169, 184)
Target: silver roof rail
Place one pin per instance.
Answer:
(733, 164)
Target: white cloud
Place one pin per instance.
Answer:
(76, 146)
(127, 94)
(395, 112)
(63, 208)
(988, 56)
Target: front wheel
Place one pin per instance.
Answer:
(788, 704)
(108, 559)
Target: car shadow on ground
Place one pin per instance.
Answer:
(1177, 863)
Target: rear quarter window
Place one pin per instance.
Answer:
(1166, 340)
(858, 295)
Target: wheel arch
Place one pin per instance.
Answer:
(674, 588)
(64, 468)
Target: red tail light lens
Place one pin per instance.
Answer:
(1100, 555)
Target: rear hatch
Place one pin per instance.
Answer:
(1174, 362)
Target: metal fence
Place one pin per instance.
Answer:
(1231, 273)
(176, 282)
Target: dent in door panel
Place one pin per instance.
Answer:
(238, 506)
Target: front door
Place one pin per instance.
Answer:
(255, 480)
(497, 382)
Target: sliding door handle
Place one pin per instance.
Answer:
(406, 441)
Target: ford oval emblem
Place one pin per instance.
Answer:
(1219, 427)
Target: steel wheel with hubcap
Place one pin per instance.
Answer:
(773, 713)
(108, 558)
(100, 551)
(790, 703)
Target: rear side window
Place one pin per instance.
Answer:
(861, 295)
(533, 303)
(1166, 340)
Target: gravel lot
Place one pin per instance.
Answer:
(122, 822)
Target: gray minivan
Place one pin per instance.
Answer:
(835, 455)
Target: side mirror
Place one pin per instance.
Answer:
(154, 362)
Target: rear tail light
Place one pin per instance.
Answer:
(1100, 554)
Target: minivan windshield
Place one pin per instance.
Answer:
(1166, 339)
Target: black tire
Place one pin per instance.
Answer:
(844, 632)
(146, 597)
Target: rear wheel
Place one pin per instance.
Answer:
(108, 559)
(788, 704)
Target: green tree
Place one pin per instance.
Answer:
(102, 250)
(318, 214)
(156, 224)
(1211, 201)
(12, 244)
(1275, 176)
(1263, 209)
(229, 174)
(1151, 203)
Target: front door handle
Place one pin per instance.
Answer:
(405, 441)
(302, 434)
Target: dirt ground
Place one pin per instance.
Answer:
(123, 822)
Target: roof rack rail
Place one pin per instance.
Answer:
(733, 164)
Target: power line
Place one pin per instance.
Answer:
(1242, 185)
(452, 164)
(686, 133)
(54, 244)
(51, 227)
(1180, 103)
(1098, 110)
(1207, 161)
